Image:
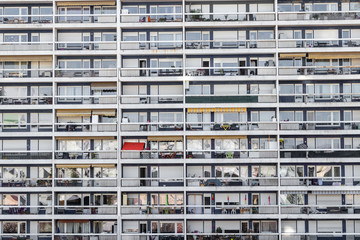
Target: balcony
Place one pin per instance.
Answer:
(26, 46)
(26, 19)
(91, 46)
(319, 97)
(75, 236)
(230, 44)
(320, 70)
(150, 17)
(86, 99)
(85, 73)
(86, 18)
(86, 210)
(247, 98)
(26, 73)
(318, 15)
(86, 127)
(151, 99)
(26, 182)
(85, 182)
(90, 154)
(319, 125)
(224, 127)
(152, 182)
(319, 153)
(25, 210)
(232, 181)
(10, 155)
(319, 43)
(198, 16)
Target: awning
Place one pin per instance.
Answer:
(73, 113)
(217, 137)
(133, 146)
(82, 138)
(334, 55)
(109, 113)
(86, 3)
(292, 55)
(72, 166)
(103, 86)
(26, 58)
(200, 110)
(165, 138)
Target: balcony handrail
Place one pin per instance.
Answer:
(323, 178)
(23, 179)
(86, 179)
(79, 123)
(323, 12)
(87, 96)
(84, 151)
(317, 39)
(85, 15)
(317, 94)
(227, 13)
(21, 96)
(318, 149)
(26, 15)
(25, 206)
(193, 205)
(82, 69)
(86, 206)
(316, 67)
(203, 68)
(25, 151)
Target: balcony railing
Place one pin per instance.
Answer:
(86, 99)
(86, 18)
(12, 155)
(85, 182)
(84, 73)
(26, 19)
(318, 15)
(199, 71)
(94, 45)
(26, 46)
(153, 182)
(317, 43)
(26, 182)
(232, 181)
(90, 154)
(230, 16)
(319, 125)
(319, 97)
(319, 153)
(151, 99)
(87, 210)
(198, 126)
(224, 44)
(25, 127)
(33, 100)
(200, 154)
(319, 70)
(319, 181)
(86, 127)
(24, 236)
(86, 236)
(25, 73)
(238, 98)
(151, 17)
(25, 210)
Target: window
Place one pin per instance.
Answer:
(328, 172)
(14, 120)
(292, 199)
(327, 118)
(327, 143)
(45, 227)
(14, 227)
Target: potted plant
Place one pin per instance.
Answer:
(218, 230)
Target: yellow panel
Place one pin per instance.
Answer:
(26, 58)
(105, 112)
(292, 55)
(334, 55)
(104, 165)
(72, 166)
(165, 138)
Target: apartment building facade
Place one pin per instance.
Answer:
(168, 119)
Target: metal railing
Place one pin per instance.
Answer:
(318, 15)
